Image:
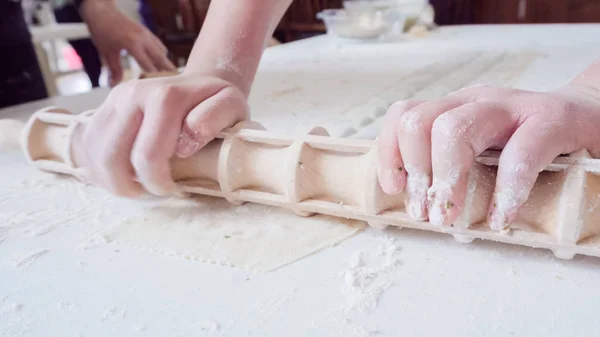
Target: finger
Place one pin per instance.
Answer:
(209, 118)
(457, 137)
(159, 43)
(159, 58)
(113, 61)
(156, 141)
(390, 168)
(142, 58)
(109, 139)
(533, 146)
(415, 145)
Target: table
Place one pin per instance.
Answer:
(64, 281)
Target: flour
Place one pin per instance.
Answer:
(367, 278)
(504, 201)
(209, 326)
(113, 312)
(417, 184)
(338, 326)
(141, 328)
(39, 217)
(3, 232)
(412, 123)
(64, 306)
(10, 308)
(24, 260)
(369, 275)
(94, 241)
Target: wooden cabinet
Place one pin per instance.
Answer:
(516, 11)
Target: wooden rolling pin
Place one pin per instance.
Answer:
(315, 173)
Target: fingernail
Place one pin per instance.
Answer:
(439, 197)
(417, 185)
(391, 180)
(187, 145)
(439, 205)
(503, 209)
(437, 215)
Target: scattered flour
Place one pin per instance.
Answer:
(340, 326)
(204, 328)
(24, 260)
(369, 276)
(64, 306)
(210, 326)
(417, 185)
(10, 308)
(94, 241)
(141, 328)
(109, 312)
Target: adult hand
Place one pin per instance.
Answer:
(429, 147)
(128, 143)
(113, 32)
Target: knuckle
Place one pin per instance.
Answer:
(450, 125)
(108, 158)
(412, 123)
(142, 159)
(167, 94)
(395, 112)
(120, 90)
(520, 162)
(400, 107)
(137, 89)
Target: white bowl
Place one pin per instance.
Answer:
(361, 24)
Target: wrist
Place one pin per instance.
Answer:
(224, 72)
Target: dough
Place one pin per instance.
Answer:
(253, 237)
(10, 131)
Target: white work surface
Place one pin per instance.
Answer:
(58, 279)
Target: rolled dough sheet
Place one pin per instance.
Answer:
(254, 237)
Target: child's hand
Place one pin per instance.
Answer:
(429, 147)
(144, 123)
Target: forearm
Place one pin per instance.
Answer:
(233, 38)
(87, 7)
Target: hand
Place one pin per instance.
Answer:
(437, 141)
(113, 32)
(127, 144)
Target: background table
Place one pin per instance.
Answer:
(58, 279)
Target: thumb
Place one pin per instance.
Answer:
(115, 69)
(226, 108)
